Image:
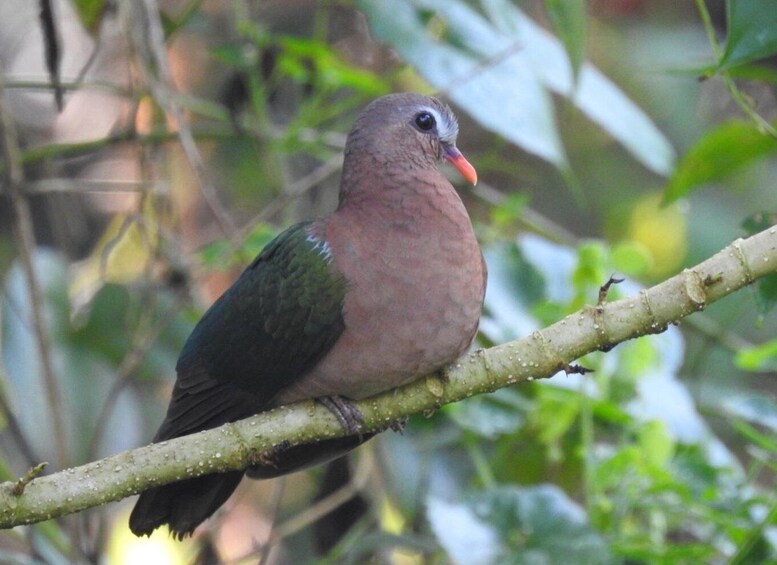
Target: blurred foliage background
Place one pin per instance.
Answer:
(162, 144)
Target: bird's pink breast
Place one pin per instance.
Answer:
(415, 285)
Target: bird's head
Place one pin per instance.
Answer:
(400, 133)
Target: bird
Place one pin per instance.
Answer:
(385, 290)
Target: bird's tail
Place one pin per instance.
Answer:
(182, 505)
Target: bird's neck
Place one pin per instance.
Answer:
(420, 203)
(373, 183)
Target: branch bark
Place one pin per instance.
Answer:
(539, 355)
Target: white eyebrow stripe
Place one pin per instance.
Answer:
(446, 129)
(435, 113)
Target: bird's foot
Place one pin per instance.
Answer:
(349, 416)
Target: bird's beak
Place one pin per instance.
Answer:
(452, 154)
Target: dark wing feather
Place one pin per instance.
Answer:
(273, 325)
(264, 333)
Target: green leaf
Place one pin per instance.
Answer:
(231, 55)
(752, 32)
(656, 444)
(90, 12)
(514, 525)
(752, 72)
(720, 152)
(257, 239)
(762, 357)
(298, 57)
(501, 70)
(509, 211)
(172, 25)
(756, 437)
(569, 20)
(222, 255)
(636, 357)
(631, 258)
(591, 266)
(555, 415)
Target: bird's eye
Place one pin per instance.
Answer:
(424, 121)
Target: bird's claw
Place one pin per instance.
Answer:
(349, 416)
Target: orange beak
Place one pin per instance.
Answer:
(455, 158)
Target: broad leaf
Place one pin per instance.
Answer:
(752, 32)
(569, 22)
(501, 70)
(720, 152)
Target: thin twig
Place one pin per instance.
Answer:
(320, 508)
(12, 423)
(27, 478)
(113, 88)
(275, 505)
(86, 186)
(159, 136)
(25, 236)
(295, 190)
(150, 39)
(533, 220)
(52, 49)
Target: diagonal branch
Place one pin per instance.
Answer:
(540, 355)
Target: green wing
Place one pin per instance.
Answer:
(264, 333)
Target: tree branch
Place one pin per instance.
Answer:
(540, 355)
